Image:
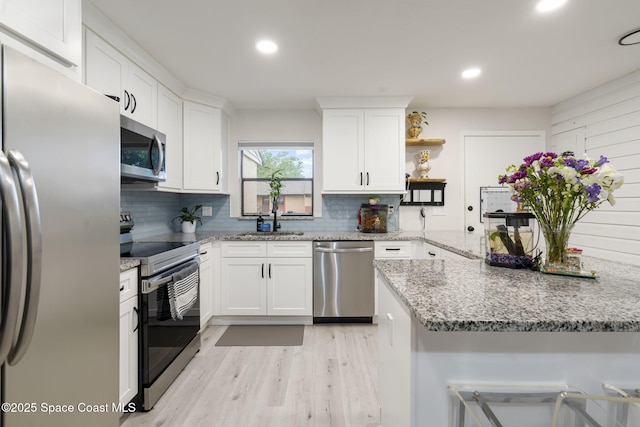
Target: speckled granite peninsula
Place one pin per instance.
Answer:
(447, 295)
(463, 322)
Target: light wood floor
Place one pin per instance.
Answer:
(331, 380)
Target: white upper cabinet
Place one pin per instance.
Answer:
(204, 148)
(363, 150)
(111, 73)
(170, 123)
(53, 25)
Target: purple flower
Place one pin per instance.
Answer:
(502, 179)
(601, 161)
(530, 159)
(593, 191)
(581, 164)
(547, 162)
(518, 175)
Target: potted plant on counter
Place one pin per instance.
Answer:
(188, 218)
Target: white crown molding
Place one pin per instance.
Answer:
(363, 101)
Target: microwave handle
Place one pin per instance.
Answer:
(156, 141)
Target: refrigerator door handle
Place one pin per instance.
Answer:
(14, 258)
(33, 229)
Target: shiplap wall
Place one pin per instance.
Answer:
(609, 118)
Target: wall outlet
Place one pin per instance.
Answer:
(391, 210)
(437, 211)
(207, 211)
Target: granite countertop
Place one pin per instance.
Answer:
(209, 236)
(128, 264)
(469, 295)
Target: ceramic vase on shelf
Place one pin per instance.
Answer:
(188, 227)
(423, 167)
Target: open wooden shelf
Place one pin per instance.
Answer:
(412, 180)
(415, 142)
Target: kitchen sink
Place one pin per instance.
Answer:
(271, 233)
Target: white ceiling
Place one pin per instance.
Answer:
(384, 48)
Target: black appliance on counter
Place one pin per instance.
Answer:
(167, 340)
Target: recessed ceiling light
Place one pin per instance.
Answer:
(630, 38)
(471, 73)
(266, 46)
(549, 5)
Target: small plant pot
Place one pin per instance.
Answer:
(188, 227)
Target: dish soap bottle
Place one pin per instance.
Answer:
(259, 223)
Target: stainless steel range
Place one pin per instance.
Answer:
(169, 309)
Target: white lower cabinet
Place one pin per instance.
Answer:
(403, 249)
(129, 328)
(206, 284)
(394, 359)
(266, 278)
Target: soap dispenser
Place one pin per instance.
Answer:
(259, 223)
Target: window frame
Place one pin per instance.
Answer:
(279, 145)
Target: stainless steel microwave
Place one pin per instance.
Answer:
(142, 152)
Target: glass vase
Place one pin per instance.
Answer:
(556, 238)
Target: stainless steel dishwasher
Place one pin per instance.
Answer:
(343, 284)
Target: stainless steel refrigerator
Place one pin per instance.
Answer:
(60, 188)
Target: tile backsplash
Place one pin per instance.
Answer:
(153, 213)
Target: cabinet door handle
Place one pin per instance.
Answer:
(137, 317)
(361, 178)
(263, 270)
(135, 104)
(431, 253)
(269, 270)
(217, 178)
(127, 100)
(367, 178)
(204, 253)
(121, 288)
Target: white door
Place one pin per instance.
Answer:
(170, 123)
(143, 93)
(55, 25)
(384, 149)
(105, 67)
(202, 157)
(128, 350)
(290, 290)
(342, 150)
(243, 286)
(485, 156)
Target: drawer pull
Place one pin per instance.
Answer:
(392, 249)
(431, 253)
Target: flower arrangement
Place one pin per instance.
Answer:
(560, 190)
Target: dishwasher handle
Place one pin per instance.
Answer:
(341, 251)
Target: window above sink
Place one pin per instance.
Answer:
(258, 162)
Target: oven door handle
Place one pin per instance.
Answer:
(149, 286)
